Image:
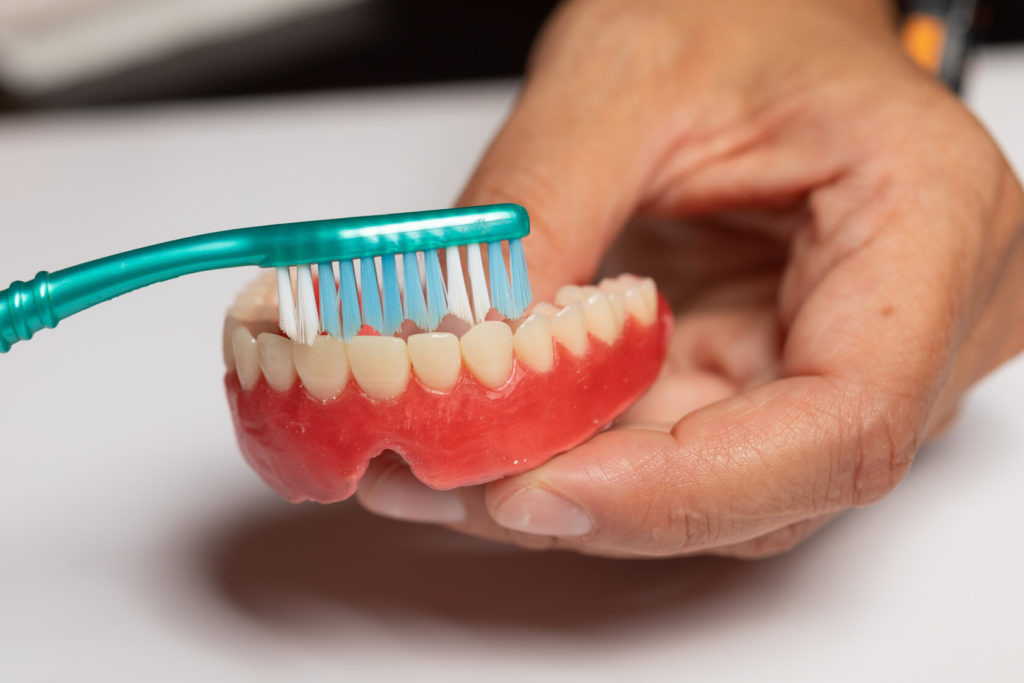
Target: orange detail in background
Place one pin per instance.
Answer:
(924, 38)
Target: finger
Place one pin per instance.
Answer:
(732, 472)
(775, 542)
(575, 152)
(389, 488)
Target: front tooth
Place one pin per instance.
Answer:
(436, 359)
(568, 294)
(322, 366)
(380, 365)
(600, 317)
(243, 347)
(487, 352)
(570, 328)
(532, 343)
(228, 340)
(274, 353)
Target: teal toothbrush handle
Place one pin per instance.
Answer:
(27, 307)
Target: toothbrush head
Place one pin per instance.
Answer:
(405, 281)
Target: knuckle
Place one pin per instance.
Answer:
(884, 448)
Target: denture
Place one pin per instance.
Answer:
(464, 405)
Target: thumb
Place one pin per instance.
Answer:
(577, 169)
(728, 473)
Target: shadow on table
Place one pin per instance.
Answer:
(343, 557)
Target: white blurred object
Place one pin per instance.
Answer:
(49, 44)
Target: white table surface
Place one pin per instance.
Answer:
(136, 545)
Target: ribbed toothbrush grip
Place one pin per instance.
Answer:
(25, 308)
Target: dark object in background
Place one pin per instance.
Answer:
(379, 42)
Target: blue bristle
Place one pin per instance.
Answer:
(522, 295)
(392, 298)
(351, 319)
(371, 297)
(437, 298)
(330, 320)
(501, 296)
(415, 307)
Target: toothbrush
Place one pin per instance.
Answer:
(384, 299)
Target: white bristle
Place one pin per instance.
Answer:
(421, 263)
(478, 283)
(400, 269)
(356, 268)
(286, 317)
(458, 295)
(308, 317)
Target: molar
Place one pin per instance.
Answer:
(568, 294)
(532, 341)
(380, 365)
(570, 328)
(650, 292)
(618, 302)
(545, 308)
(436, 359)
(243, 346)
(487, 352)
(600, 317)
(322, 366)
(642, 301)
(274, 353)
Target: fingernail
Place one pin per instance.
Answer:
(399, 494)
(537, 511)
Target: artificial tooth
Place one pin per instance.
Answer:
(545, 308)
(618, 302)
(570, 328)
(380, 365)
(487, 352)
(322, 366)
(637, 307)
(274, 353)
(650, 292)
(614, 284)
(228, 339)
(642, 301)
(532, 342)
(243, 346)
(567, 294)
(436, 359)
(600, 317)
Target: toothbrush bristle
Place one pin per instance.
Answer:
(478, 283)
(286, 315)
(371, 297)
(392, 299)
(522, 294)
(383, 291)
(330, 318)
(415, 306)
(309, 319)
(351, 319)
(436, 306)
(501, 295)
(458, 295)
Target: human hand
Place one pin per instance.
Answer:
(843, 244)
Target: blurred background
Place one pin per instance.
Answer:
(61, 53)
